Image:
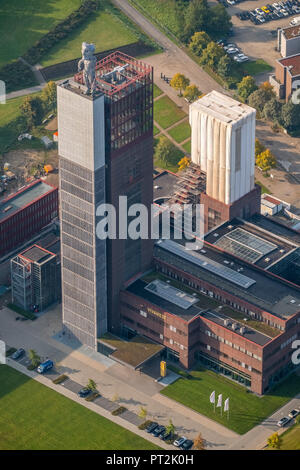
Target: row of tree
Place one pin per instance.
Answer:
(197, 15)
(264, 100)
(182, 84)
(34, 108)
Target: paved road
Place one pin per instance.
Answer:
(173, 59)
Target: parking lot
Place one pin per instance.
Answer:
(256, 41)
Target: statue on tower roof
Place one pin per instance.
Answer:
(87, 63)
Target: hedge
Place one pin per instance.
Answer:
(22, 312)
(119, 411)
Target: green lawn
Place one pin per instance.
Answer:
(156, 91)
(155, 130)
(264, 189)
(181, 132)
(107, 29)
(172, 164)
(246, 409)
(255, 67)
(23, 23)
(166, 112)
(163, 12)
(291, 438)
(34, 417)
(187, 147)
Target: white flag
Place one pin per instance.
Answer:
(226, 404)
(219, 400)
(212, 397)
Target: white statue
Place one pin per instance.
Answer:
(88, 63)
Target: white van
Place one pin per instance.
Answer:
(295, 21)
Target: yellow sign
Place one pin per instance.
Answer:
(158, 314)
(163, 368)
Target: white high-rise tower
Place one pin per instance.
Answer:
(223, 144)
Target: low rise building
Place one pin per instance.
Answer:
(287, 76)
(288, 40)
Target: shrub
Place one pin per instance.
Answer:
(92, 396)
(145, 424)
(119, 411)
(32, 367)
(17, 75)
(60, 379)
(22, 312)
(10, 351)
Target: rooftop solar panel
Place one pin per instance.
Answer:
(170, 293)
(207, 264)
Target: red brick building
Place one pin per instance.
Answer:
(25, 213)
(211, 306)
(287, 73)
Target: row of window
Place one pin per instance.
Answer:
(232, 359)
(232, 345)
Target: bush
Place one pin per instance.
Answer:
(119, 411)
(17, 75)
(43, 45)
(32, 367)
(60, 379)
(10, 351)
(92, 396)
(22, 312)
(145, 424)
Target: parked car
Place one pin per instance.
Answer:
(165, 435)
(239, 58)
(151, 427)
(45, 366)
(158, 430)
(84, 392)
(232, 50)
(179, 441)
(187, 444)
(18, 354)
(283, 421)
(292, 414)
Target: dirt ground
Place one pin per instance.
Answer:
(28, 164)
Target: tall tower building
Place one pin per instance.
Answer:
(223, 145)
(106, 151)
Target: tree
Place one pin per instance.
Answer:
(32, 110)
(266, 160)
(260, 97)
(179, 82)
(196, 18)
(184, 163)
(143, 413)
(92, 385)
(199, 442)
(34, 358)
(272, 110)
(212, 55)
(246, 87)
(259, 147)
(219, 21)
(275, 441)
(290, 116)
(224, 66)
(50, 95)
(268, 90)
(170, 428)
(199, 42)
(191, 93)
(164, 150)
(297, 419)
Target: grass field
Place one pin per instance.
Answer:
(256, 66)
(180, 132)
(161, 11)
(291, 438)
(166, 112)
(23, 23)
(172, 164)
(156, 91)
(33, 416)
(155, 130)
(187, 147)
(107, 29)
(264, 189)
(246, 409)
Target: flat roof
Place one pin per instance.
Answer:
(250, 242)
(292, 63)
(37, 254)
(291, 32)
(222, 107)
(22, 198)
(266, 292)
(272, 226)
(170, 293)
(138, 288)
(248, 333)
(163, 185)
(134, 352)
